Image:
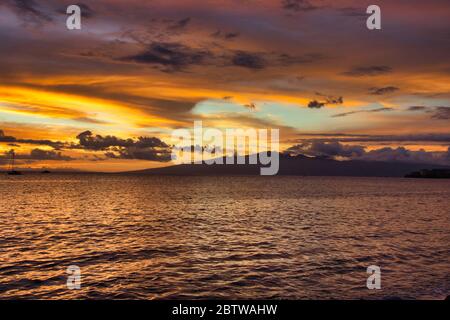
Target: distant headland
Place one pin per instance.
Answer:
(430, 174)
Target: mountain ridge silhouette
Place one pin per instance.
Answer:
(299, 165)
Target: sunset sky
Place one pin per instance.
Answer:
(107, 97)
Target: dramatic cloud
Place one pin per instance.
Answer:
(97, 142)
(326, 149)
(180, 24)
(409, 138)
(144, 148)
(437, 113)
(260, 60)
(368, 71)
(150, 154)
(316, 104)
(344, 114)
(177, 56)
(37, 155)
(402, 154)
(141, 67)
(331, 99)
(441, 113)
(337, 150)
(173, 56)
(298, 5)
(28, 10)
(10, 139)
(248, 60)
(225, 35)
(383, 90)
(175, 109)
(326, 99)
(417, 108)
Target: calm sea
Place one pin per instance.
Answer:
(223, 237)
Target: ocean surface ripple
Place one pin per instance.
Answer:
(144, 237)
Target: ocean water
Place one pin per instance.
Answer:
(149, 237)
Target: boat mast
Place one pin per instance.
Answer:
(13, 155)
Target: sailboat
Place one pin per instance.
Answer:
(13, 172)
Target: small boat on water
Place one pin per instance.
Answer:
(13, 172)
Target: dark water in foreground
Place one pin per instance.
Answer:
(223, 237)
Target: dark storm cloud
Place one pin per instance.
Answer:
(325, 100)
(248, 60)
(336, 149)
(437, 113)
(180, 24)
(344, 114)
(28, 9)
(86, 11)
(11, 139)
(402, 154)
(331, 99)
(326, 149)
(368, 71)
(174, 56)
(441, 113)
(150, 154)
(298, 5)
(53, 144)
(353, 12)
(225, 35)
(417, 108)
(38, 154)
(89, 141)
(382, 90)
(149, 142)
(261, 60)
(316, 104)
(180, 55)
(143, 148)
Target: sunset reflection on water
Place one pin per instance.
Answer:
(223, 237)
